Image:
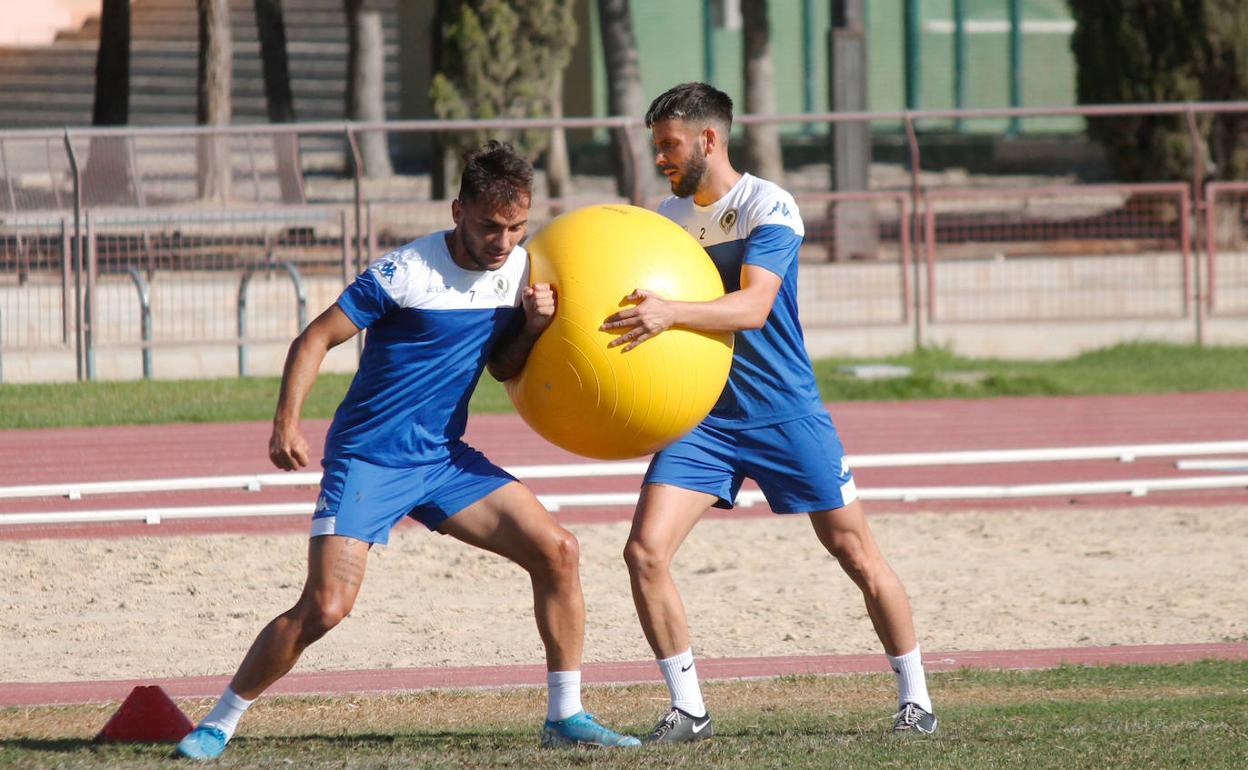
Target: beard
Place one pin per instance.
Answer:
(475, 252)
(475, 255)
(690, 176)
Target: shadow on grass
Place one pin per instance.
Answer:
(52, 745)
(416, 741)
(263, 744)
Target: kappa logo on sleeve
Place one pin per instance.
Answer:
(387, 270)
(781, 207)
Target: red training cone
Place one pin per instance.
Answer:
(147, 715)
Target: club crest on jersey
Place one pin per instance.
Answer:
(501, 285)
(728, 220)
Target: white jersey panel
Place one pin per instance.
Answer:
(423, 276)
(757, 223)
(750, 204)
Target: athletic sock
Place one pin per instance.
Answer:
(225, 715)
(563, 694)
(682, 681)
(911, 681)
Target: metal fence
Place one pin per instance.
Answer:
(1226, 244)
(1075, 253)
(128, 244)
(200, 275)
(36, 300)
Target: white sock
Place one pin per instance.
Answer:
(225, 715)
(682, 681)
(563, 694)
(911, 681)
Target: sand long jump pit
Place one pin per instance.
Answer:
(148, 607)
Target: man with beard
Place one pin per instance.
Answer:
(438, 311)
(769, 424)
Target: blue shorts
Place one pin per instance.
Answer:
(800, 464)
(364, 501)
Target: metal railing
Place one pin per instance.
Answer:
(194, 269)
(1226, 246)
(301, 306)
(86, 203)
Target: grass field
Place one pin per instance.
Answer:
(1132, 368)
(1187, 715)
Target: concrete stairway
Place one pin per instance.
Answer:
(53, 85)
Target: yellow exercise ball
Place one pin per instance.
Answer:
(602, 402)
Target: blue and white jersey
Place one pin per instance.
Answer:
(431, 326)
(757, 223)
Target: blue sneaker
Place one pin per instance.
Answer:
(582, 729)
(202, 743)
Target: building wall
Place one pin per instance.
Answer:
(36, 23)
(672, 39)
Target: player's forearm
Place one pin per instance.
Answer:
(508, 359)
(303, 362)
(733, 312)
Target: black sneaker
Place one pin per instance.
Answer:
(679, 726)
(911, 718)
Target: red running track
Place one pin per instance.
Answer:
(166, 451)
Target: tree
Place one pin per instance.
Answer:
(558, 164)
(629, 149)
(112, 66)
(1152, 51)
(505, 60)
(216, 51)
(366, 82)
(1227, 51)
(762, 141)
(444, 161)
(271, 29)
(855, 227)
(108, 176)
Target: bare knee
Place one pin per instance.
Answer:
(559, 554)
(849, 551)
(644, 562)
(316, 615)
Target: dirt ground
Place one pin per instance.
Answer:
(182, 606)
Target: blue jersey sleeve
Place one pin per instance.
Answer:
(773, 247)
(366, 300)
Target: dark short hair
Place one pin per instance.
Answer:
(692, 102)
(496, 175)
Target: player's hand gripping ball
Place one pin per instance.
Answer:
(603, 402)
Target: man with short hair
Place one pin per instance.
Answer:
(438, 311)
(769, 424)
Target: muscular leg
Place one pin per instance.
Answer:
(847, 536)
(665, 516)
(335, 570)
(512, 523)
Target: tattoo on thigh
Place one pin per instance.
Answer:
(348, 569)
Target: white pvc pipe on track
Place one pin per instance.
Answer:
(555, 502)
(254, 482)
